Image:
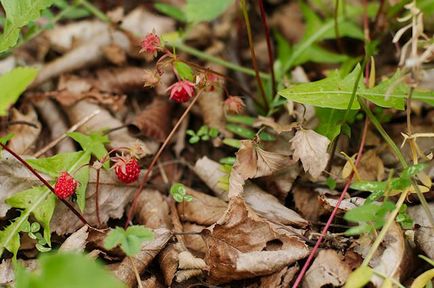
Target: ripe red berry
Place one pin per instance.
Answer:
(127, 169)
(65, 185)
(181, 91)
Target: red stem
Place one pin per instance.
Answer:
(45, 182)
(269, 48)
(97, 198)
(335, 210)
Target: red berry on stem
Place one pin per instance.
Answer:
(181, 91)
(127, 169)
(65, 185)
(150, 45)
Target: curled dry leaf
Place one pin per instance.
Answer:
(270, 208)
(395, 260)
(53, 118)
(76, 242)
(104, 120)
(113, 198)
(240, 245)
(280, 279)
(193, 242)
(25, 135)
(183, 275)
(188, 261)
(152, 210)
(278, 127)
(328, 269)
(168, 260)
(155, 120)
(424, 234)
(311, 148)
(125, 271)
(251, 162)
(203, 209)
(210, 173)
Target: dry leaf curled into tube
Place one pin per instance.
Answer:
(149, 250)
(209, 171)
(239, 245)
(24, 135)
(328, 269)
(311, 148)
(154, 121)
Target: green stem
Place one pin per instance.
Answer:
(204, 56)
(400, 157)
(94, 10)
(390, 278)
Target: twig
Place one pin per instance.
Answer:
(252, 52)
(269, 48)
(335, 210)
(156, 157)
(136, 273)
(63, 136)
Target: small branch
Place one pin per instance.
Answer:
(335, 210)
(252, 52)
(156, 157)
(269, 48)
(45, 182)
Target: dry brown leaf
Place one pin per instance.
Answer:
(113, 198)
(152, 210)
(311, 148)
(168, 260)
(239, 245)
(371, 167)
(307, 203)
(280, 279)
(295, 31)
(203, 209)
(104, 120)
(155, 120)
(328, 269)
(119, 80)
(24, 135)
(188, 261)
(424, 234)
(151, 282)
(184, 275)
(270, 208)
(76, 242)
(193, 242)
(7, 268)
(115, 54)
(210, 173)
(149, 250)
(269, 121)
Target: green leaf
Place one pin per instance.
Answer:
(184, 71)
(331, 92)
(370, 186)
(5, 139)
(404, 219)
(67, 270)
(53, 166)
(179, 193)
(228, 160)
(241, 131)
(359, 277)
(330, 122)
(130, 240)
(205, 10)
(331, 183)
(241, 119)
(413, 170)
(13, 84)
(93, 143)
(235, 143)
(171, 11)
(42, 212)
(19, 13)
(368, 212)
(317, 54)
(10, 237)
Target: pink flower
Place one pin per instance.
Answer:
(181, 91)
(150, 45)
(234, 105)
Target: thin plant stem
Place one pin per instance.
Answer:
(97, 197)
(94, 10)
(336, 27)
(400, 157)
(45, 182)
(269, 48)
(252, 52)
(335, 210)
(209, 58)
(156, 157)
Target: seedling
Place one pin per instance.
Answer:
(179, 193)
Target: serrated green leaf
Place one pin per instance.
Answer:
(184, 71)
(53, 166)
(67, 270)
(171, 11)
(359, 277)
(19, 13)
(130, 240)
(42, 212)
(10, 237)
(13, 84)
(205, 10)
(93, 143)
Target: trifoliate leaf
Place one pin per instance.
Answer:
(130, 240)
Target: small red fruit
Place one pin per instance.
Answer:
(150, 45)
(181, 91)
(65, 185)
(127, 169)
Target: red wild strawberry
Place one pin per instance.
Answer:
(65, 185)
(127, 169)
(150, 45)
(181, 91)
